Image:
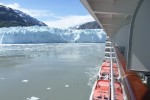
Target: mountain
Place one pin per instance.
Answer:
(29, 20)
(88, 25)
(10, 17)
(45, 34)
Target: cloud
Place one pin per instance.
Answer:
(69, 21)
(37, 13)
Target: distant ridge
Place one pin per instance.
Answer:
(89, 25)
(10, 17)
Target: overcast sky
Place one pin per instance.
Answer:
(55, 13)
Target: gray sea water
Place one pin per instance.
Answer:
(49, 71)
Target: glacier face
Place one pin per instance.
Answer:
(44, 34)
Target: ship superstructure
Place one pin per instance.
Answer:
(127, 24)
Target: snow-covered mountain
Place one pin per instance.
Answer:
(88, 25)
(10, 17)
(28, 19)
(44, 34)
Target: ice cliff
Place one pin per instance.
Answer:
(44, 34)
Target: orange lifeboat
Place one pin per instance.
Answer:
(101, 91)
(102, 87)
(118, 91)
(105, 69)
(107, 63)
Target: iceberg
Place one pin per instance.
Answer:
(45, 34)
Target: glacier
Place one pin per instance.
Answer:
(45, 34)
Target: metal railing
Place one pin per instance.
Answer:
(112, 76)
(113, 59)
(119, 78)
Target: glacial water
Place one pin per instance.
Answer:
(49, 71)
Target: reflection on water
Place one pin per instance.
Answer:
(48, 71)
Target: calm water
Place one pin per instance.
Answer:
(49, 71)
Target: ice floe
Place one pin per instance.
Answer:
(24, 81)
(33, 98)
(66, 85)
(2, 78)
(48, 88)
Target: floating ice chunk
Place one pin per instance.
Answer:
(33, 98)
(86, 72)
(2, 78)
(66, 85)
(48, 88)
(24, 81)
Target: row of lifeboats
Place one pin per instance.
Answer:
(102, 87)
